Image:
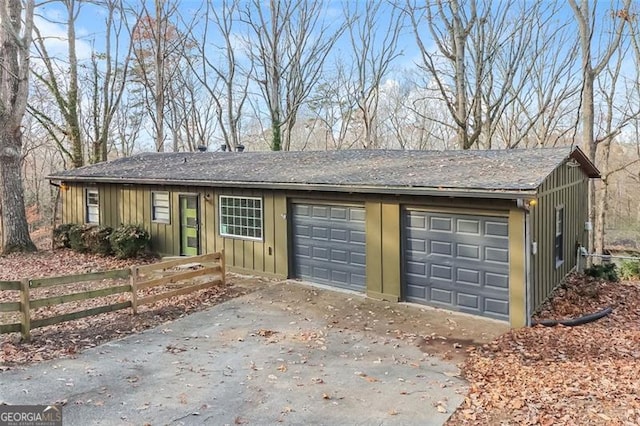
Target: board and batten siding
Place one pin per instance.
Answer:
(131, 204)
(567, 187)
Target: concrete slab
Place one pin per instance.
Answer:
(273, 356)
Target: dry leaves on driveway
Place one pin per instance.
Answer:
(584, 375)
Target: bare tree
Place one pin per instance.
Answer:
(60, 77)
(158, 47)
(288, 44)
(374, 46)
(595, 59)
(16, 23)
(222, 77)
(108, 77)
(478, 59)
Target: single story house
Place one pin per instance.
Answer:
(489, 233)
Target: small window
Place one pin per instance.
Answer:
(160, 211)
(559, 238)
(241, 217)
(92, 206)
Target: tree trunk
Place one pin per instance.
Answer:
(15, 41)
(16, 236)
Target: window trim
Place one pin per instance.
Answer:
(241, 237)
(87, 192)
(154, 219)
(558, 248)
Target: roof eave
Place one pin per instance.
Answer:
(586, 165)
(508, 194)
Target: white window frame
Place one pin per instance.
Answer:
(244, 222)
(160, 208)
(91, 209)
(559, 225)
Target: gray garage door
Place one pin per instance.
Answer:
(329, 244)
(457, 261)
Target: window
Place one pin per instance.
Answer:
(92, 204)
(241, 217)
(559, 239)
(160, 211)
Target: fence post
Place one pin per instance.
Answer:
(222, 267)
(25, 307)
(134, 289)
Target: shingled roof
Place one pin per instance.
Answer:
(514, 171)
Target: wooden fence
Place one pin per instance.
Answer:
(178, 276)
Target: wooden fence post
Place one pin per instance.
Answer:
(222, 267)
(134, 289)
(25, 307)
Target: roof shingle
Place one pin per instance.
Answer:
(489, 170)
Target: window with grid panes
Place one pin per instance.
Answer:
(92, 206)
(241, 217)
(160, 207)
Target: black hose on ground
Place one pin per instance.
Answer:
(575, 321)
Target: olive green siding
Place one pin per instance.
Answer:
(132, 204)
(517, 269)
(567, 186)
(383, 249)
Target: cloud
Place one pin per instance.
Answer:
(54, 32)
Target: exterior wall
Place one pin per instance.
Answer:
(131, 204)
(567, 186)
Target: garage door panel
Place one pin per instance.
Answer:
(357, 215)
(468, 276)
(468, 251)
(496, 229)
(441, 295)
(357, 237)
(469, 301)
(467, 267)
(497, 307)
(416, 245)
(442, 248)
(467, 226)
(357, 258)
(442, 272)
(496, 280)
(335, 248)
(493, 254)
(339, 235)
(338, 213)
(441, 224)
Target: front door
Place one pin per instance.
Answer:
(189, 225)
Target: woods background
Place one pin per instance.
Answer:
(111, 78)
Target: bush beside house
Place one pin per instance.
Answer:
(126, 241)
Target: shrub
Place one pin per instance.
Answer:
(129, 241)
(97, 240)
(630, 269)
(61, 236)
(606, 271)
(77, 239)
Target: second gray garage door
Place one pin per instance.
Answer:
(329, 244)
(457, 261)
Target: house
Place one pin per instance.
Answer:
(489, 233)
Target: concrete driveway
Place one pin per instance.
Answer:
(278, 355)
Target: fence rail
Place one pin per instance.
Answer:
(180, 272)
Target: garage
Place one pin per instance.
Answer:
(329, 244)
(457, 261)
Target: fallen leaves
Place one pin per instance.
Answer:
(562, 375)
(69, 338)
